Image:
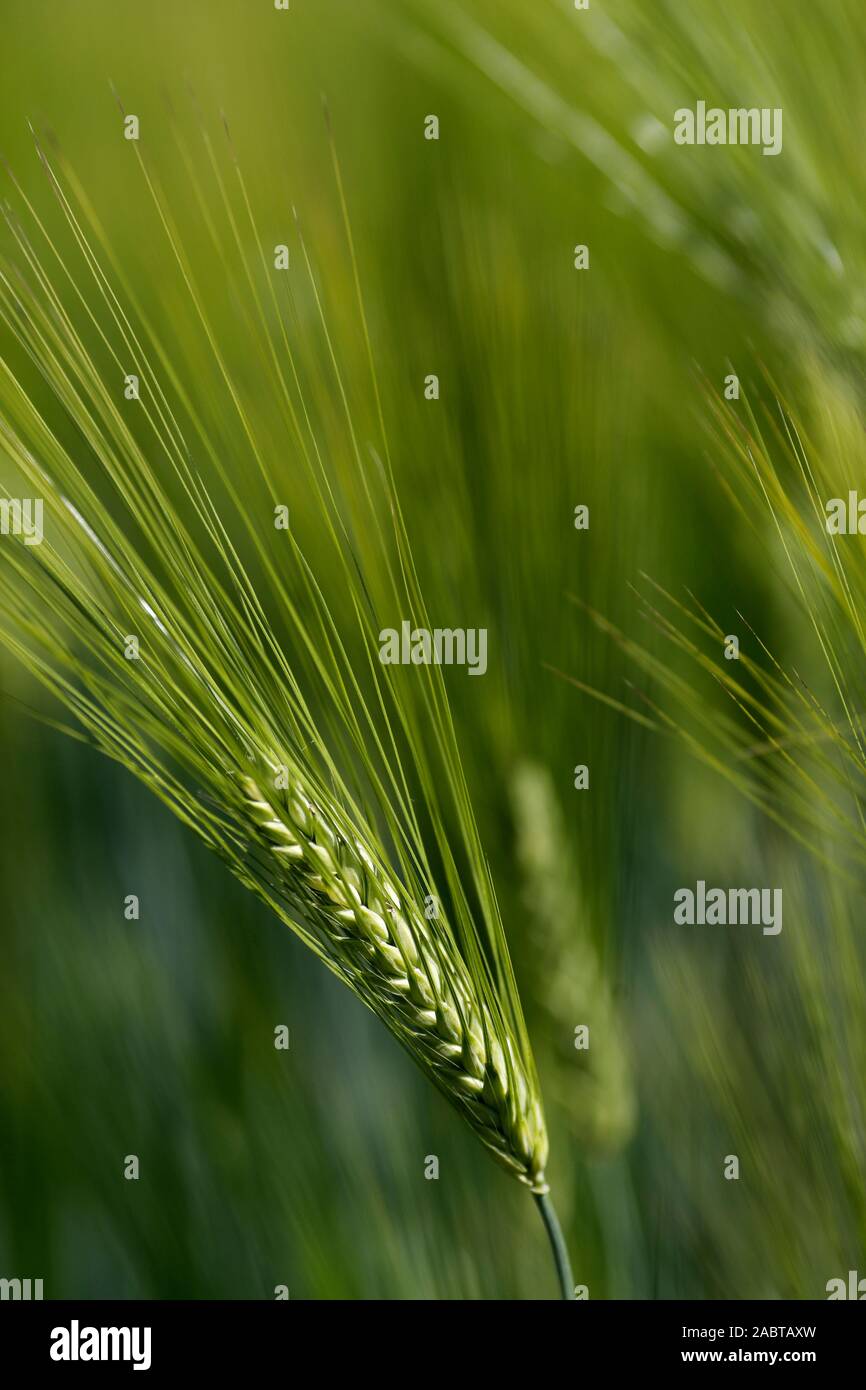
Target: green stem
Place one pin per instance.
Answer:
(557, 1243)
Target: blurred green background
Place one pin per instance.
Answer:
(558, 387)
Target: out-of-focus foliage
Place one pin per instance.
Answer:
(558, 388)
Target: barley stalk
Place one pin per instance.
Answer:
(219, 722)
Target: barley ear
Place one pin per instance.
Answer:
(410, 974)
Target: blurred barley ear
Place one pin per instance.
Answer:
(593, 1087)
(790, 740)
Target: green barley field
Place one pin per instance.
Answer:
(326, 331)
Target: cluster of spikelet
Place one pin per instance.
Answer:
(408, 970)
